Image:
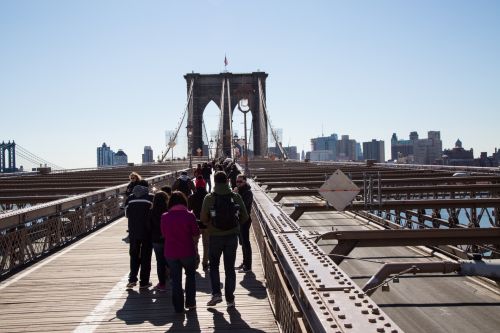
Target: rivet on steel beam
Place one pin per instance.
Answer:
(341, 316)
(357, 303)
(381, 318)
(322, 285)
(352, 297)
(346, 290)
(348, 325)
(372, 320)
(331, 301)
(326, 294)
(380, 329)
(336, 308)
(375, 311)
(365, 312)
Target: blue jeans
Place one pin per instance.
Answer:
(140, 257)
(223, 245)
(189, 265)
(161, 263)
(246, 248)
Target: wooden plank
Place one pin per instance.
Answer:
(61, 291)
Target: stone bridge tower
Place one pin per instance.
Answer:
(226, 90)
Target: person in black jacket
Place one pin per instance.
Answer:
(243, 188)
(160, 206)
(195, 201)
(137, 209)
(207, 172)
(135, 179)
(184, 184)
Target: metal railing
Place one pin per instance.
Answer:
(31, 233)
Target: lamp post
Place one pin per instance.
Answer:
(210, 145)
(235, 140)
(189, 128)
(245, 152)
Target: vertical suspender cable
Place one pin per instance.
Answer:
(230, 118)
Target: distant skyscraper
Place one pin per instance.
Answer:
(402, 148)
(105, 156)
(374, 150)
(415, 150)
(430, 150)
(346, 149)
(324, 148)
(147, 157)
(121, 158)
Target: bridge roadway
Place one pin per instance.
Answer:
(418, 303)
(82, 289)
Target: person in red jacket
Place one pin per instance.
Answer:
(181, 233)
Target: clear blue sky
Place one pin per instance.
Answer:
(75, 74)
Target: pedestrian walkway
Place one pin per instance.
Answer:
(82, 289)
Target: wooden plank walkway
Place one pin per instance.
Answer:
(82, 289)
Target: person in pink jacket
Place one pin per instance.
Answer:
(181, 233)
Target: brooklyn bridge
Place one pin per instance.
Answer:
(412, 249)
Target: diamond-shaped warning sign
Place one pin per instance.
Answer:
(339, 190)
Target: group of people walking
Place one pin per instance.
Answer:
(171, 222)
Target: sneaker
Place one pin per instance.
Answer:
(240, 266)
(230, 304)
(131, 285)
(244, 269)
(126, 239)
(145, 286)
(215, 299)
(160, 287)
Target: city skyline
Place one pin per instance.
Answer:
(77, 74)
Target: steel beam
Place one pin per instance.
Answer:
(348, 240)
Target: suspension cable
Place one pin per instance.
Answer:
(182, 119)
(280, 146)
(34, 158)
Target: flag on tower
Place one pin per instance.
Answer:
(225, 60)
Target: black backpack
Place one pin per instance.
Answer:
(184, 186)
(225, 212)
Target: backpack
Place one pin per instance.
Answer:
(225, 212)
(183, 186)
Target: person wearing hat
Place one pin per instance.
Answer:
(195, 202)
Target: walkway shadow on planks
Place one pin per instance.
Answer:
(147, 306)
(256, 288)
(235, 322)
(187, 321)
